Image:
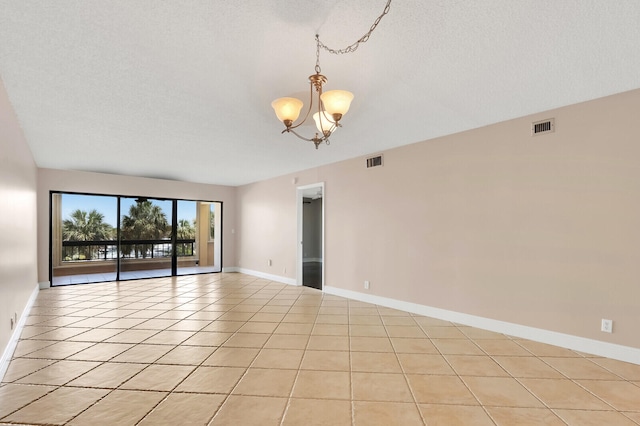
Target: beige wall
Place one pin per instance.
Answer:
(99, 183)
(18, 231)
(541, 231)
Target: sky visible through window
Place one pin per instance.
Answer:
(108, 206)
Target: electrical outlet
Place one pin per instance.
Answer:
(366, 285)
(12, 323)
(607, 325)
(269, 262)
(284, 270)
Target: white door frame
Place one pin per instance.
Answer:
(299, 202)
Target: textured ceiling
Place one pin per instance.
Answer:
(182, 89)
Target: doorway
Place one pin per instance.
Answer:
(310, 259)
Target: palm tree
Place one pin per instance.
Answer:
(83, 226)
(145, 221)
(186, 231)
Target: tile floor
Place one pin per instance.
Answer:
(230, 349)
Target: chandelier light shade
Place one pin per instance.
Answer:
(331, 105)
(337, 102)
(287, 109)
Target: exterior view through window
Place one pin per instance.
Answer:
(96, 238)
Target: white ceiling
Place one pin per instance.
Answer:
(182, 89)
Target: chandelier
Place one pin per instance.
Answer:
(331, 105)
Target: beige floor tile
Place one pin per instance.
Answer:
(143, 353)
(443, 332)
(317, 412)
(396, 320)
(207, 338)
(287, 341)
(329, 343)
(31, 331)
(330, 330)
(184, 409)
(622, 395)
(224, 326)
(364, 310)
(519, 366)
(205, 316)
(132, 336)
(457, 347)
(365, 320)
(109, 375)
(232, 357)
(120, 407)
(635, 416)
(385, 413)
(258, 327)
(62, 333)
(382, 362)
(293, 328)
(186, 355)
(623, 369)
(556, 393)
(508, 416)
(408, 345)
(266, 382)
(594, 418)
(25, 347)
(14, 397)
(20, 367)
(475, 365)
(101, 352)
(95, 335)
(322, 384)
(59, 373)
(60, 406)
(455, 415)
(405, 331)
(155, 324)
(212, 380)
(501, 392)
(247, 340)
(59, 350)
(270, 317)
(371, 344)
(580, 368)
(326, 360)
(380, 387)
(169, 337)
(502, 347)
(542, 349)
(299, 318)
(440, 390)
(158, 377)
(424, 364)
(91, 322)
(367, 330)
(122, 323)
(279, 358)
(250, 410)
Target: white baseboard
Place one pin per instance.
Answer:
(229, 269)
(271, 277)
(590, 346)
(13, 341)
(44, 284)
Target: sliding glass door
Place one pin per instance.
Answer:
(84, 238)
(97, 238)
(146, 246)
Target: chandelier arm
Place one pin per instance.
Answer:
(352, 47)
(308, 110)
(315, 140)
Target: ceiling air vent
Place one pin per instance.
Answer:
(374, 161)
(544, 126)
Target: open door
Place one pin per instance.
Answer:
(310, 261)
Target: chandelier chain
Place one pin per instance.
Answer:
(352, 47)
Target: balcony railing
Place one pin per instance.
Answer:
(74, 251)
